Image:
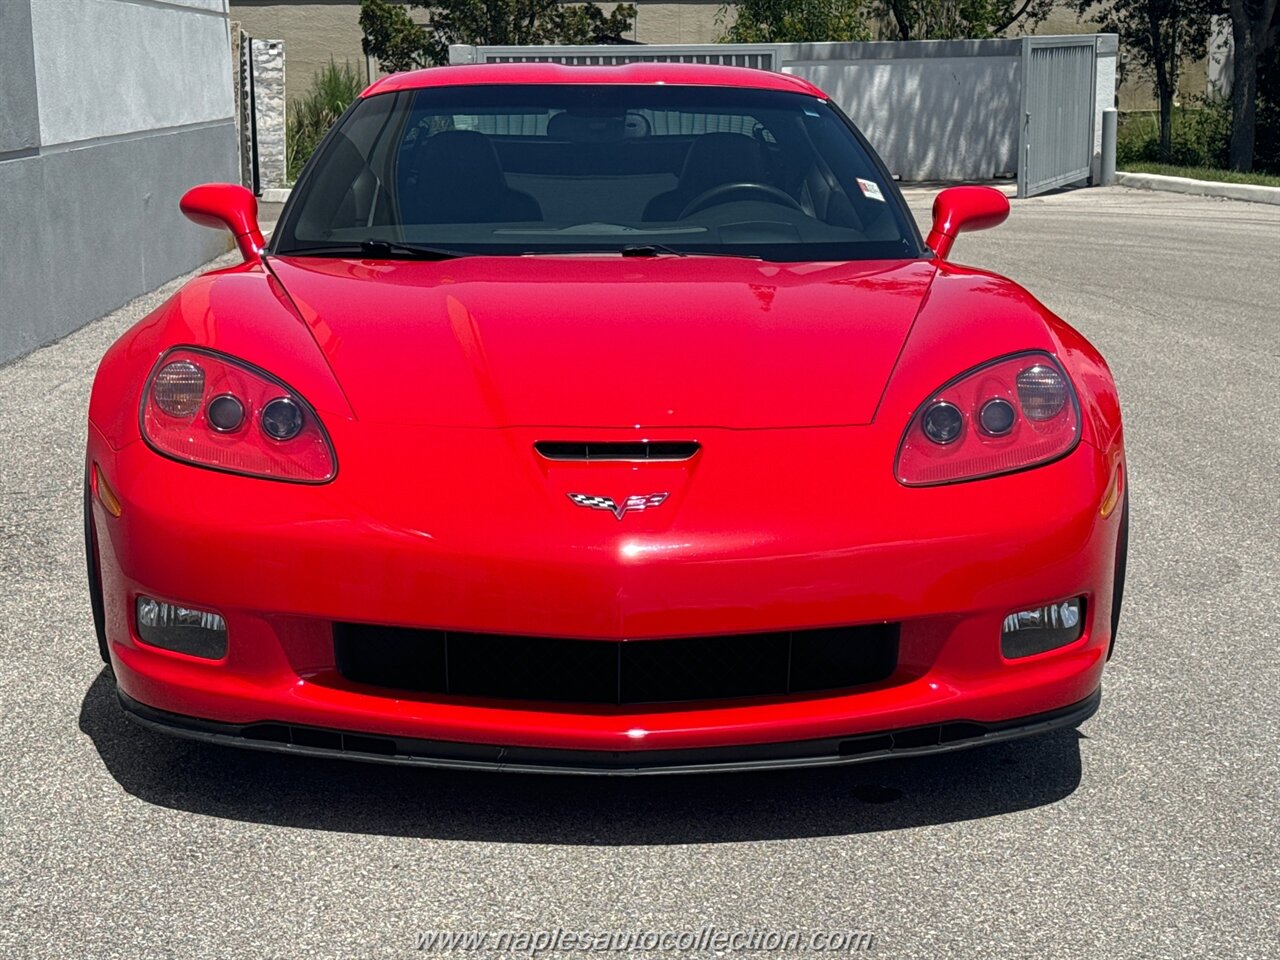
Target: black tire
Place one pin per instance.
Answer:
(1122, 562)
(95, 577)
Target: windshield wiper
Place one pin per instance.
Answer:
(659, 249)
(381, 249)
(650, 250)
(392, 248)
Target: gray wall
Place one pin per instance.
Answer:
(933, 109)
(939, 109)
(109, 111)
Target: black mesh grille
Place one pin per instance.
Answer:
(631, 450)
(616, 672)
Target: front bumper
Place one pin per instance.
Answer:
(762, 538)
(318, 742)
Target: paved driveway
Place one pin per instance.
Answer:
(1153, 832)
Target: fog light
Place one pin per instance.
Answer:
(1042, 628)
(182, 629)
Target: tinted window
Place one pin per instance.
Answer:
(552, 168)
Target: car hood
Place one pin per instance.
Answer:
(591, 341)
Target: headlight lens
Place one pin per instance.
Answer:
(942, 423)
(211, 410)
(1006, 415)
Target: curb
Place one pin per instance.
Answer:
(1251, 193)
(275, 195)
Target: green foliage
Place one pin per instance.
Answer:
(799, 21)
(587, 23)
(400, 43)
(960, 19)
(1199, 136)
(1159, 36)
(396, 40)
(308, 118)
(796, 21)
(1205, 173)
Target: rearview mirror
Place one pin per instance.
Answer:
(230, 206)
(957, 210)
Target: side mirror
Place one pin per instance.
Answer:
(957, 210)
(230, 206)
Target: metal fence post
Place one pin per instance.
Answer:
(1108, 146)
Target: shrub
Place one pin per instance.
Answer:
(1200, 133)
(333, 89)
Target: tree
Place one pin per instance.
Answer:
(396, 40)
(1158, 34)
(961, 19)
(796, 21)
(401, 43)
(816, 20)
(1255, 25)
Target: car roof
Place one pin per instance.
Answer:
(684, 74)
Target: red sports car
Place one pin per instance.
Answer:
(605, 419)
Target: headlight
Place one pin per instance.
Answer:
(213, 411)
(1006, 415)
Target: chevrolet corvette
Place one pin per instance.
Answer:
(603, 420)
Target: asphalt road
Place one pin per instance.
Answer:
(1150, 833)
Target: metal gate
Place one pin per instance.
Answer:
(761, 56)
(1054, 131)
(1055, 144)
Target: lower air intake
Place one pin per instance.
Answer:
(616, 672)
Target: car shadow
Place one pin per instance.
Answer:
(339, 795)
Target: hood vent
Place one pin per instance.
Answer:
(598, 450)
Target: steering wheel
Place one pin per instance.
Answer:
(716, 195)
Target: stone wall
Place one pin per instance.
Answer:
(265, 66)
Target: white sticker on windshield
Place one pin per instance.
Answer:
(870, 189)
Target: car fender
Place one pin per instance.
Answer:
(241, 311)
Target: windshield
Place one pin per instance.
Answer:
(629, 169)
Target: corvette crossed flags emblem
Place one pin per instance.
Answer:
(634, 503)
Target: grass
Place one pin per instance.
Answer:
(1204, 173)
(333, 89)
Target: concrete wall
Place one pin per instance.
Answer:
(314, 31)
(109, 111)
(684, 21)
